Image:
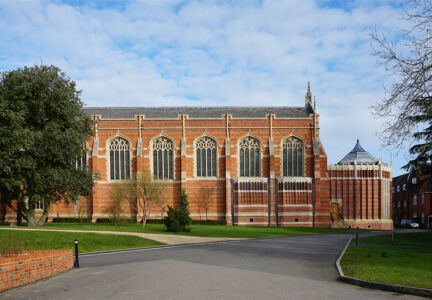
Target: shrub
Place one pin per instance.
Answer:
(178, 218)
(4, 223)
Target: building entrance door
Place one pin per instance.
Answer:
(334, 211)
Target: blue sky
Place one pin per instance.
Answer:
(172, 52)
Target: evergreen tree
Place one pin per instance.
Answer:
(423, 149)
(178, 218)
(43, 131)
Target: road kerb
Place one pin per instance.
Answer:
(379, 285)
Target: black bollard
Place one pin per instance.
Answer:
(357, 237)
(76, 263)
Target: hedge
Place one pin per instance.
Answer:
(71, 220)
(108, 220)
(209, 222)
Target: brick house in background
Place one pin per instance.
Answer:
(259, 165)
(412, 198)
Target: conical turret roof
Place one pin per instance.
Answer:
(358, 154)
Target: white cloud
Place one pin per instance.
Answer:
(174, 52)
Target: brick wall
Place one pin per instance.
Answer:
(18, 268)
(361, 196)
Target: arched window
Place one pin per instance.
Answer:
(119, 159)
(292, 157)
(163, 162)
(250, 157)
(206, 157)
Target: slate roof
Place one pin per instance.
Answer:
(237, 112)
(358, 154)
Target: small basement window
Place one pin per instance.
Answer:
(296, 220)
(251, 220)
(369, 226)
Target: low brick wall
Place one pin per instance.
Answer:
(18, 268)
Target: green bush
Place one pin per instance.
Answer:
(4, 223)
(71, 220)
(178, 218)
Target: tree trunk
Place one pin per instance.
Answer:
(31, 218)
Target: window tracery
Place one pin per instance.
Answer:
(250, 157)
(293, 164)
(163, 162)
(206, 157)
(119, 159)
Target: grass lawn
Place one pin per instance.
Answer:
(88, 242)
(408, 261)
(201, 230)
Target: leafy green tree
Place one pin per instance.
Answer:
(178, 218)
(43, 131)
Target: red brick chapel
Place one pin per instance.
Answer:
(261, 166)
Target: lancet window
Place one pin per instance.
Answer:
(163, 161)
(206, 157)
(293, 161)
(119, 159)
(250, 157)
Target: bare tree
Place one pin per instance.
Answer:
(144, 193)
(204, 201)
(409, 62)
(115, 210)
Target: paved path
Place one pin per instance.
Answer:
(299, 267)
(168, 239)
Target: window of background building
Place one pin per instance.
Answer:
(398, 188)
(405, 203)
(404, 187)
(415, 199)
(250, 157)
(293, 157)
(422, 198)
(119, 159)
(414, 215)
(163, 162)
(422, 217)
(206, 157)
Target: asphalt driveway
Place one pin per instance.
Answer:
(279, 268)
